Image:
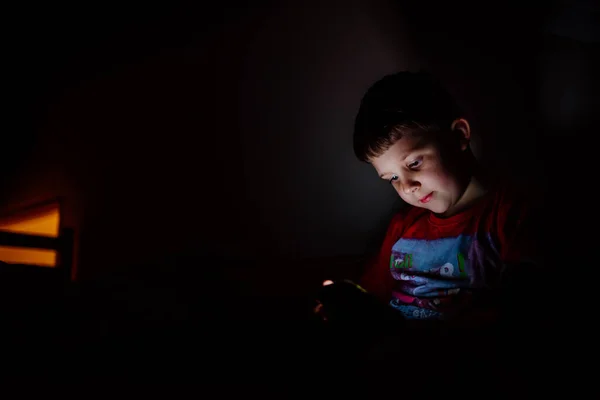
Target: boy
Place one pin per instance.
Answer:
(458, 265)
(453, 253)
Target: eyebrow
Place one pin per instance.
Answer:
(418, 146)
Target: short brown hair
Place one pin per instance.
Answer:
(401, 104)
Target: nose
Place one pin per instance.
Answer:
(410, 186)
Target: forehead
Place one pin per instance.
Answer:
(403, 148)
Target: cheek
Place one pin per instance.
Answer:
(399, 191)
(446, 181)
(440, 179)
(436, 180)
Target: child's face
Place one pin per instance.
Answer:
(423, 172)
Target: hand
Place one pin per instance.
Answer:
(319, 310)
(340, 301)
(347, 304)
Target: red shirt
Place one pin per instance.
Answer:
(435, 268)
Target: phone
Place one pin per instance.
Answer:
(346, 303)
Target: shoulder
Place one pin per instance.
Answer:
(515, 216)
(514, 191)
(511, 200)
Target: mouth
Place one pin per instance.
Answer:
(426, 199)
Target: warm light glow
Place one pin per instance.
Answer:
(327, 282)
(38, 222)
(20, 255)
(43, 221)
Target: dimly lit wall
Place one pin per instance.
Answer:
(234, 142)
(228, 133)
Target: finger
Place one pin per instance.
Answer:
(318, 308)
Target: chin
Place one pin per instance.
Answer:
(438, 208)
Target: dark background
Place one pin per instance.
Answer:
(203, 152)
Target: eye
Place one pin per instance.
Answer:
(394, 178)
(415, 164)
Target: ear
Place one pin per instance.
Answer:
(462, 128)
